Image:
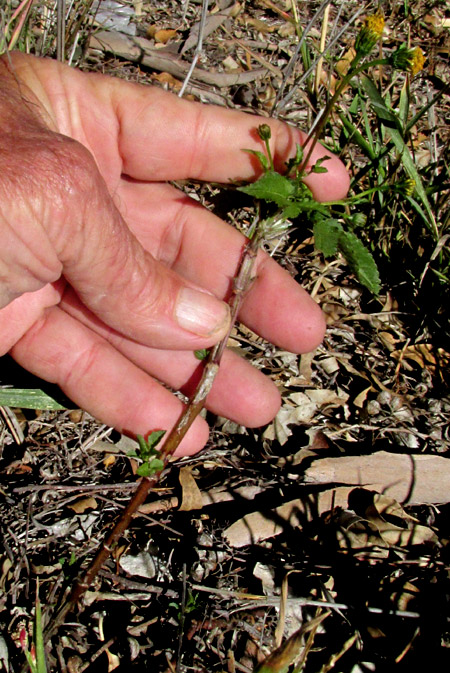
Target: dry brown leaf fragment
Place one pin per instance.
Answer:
(343, 65)
(258, 24)
(191, 495)
(113, 660)
(390, 524)
(166, 78)
(230, 64)
(436, 23)
(109, 460)
(140, 564)
(80, 506)
(164, 35)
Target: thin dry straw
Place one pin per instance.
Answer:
(60, 30)
(198, 48)
(294, 57)
(331, 44)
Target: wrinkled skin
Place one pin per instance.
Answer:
(96, 246)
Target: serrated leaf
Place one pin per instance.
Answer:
(292, 210)
(156, 465)
(360, 260)
(326, 236)
(143, 470)
(143, 448)
(271, 187)
(147, 469)
(154, 438)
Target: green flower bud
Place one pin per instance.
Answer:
(264, 131)
(405, 187)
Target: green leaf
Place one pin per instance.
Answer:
(354, 135)
(326, 236)
(295, 161)
(39, 639)
(271, 187)
(292, 210)
(318, 168)
(154, 438)
(27, 398)
(263, 160)
(201, 354)
(143, 448)
(144, 470)
(156, 465)
(147, 446)
(149, 468)
(360, 260)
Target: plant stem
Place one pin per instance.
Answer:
(353, 70)
(241, 284)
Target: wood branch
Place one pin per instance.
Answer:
(141, 50)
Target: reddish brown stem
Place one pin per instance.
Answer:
(241, 284)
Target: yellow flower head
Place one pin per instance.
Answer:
(405, 187)
(370, 33)
(417, 60)
(411, 60)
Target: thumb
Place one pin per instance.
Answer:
(119, 280)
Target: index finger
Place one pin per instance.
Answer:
(163, 137)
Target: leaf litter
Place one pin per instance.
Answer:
(329, 483)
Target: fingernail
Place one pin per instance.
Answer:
(200, 313)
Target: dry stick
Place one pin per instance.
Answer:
(241, 284)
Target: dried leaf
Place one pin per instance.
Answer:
(280, 660)
(141, 564)
(361, 398)
(163, 36)
(343, 64)
(109, 460)
(424, 355)
(191, 495)
(113, 660)
(80, 506)
(258, 526)
(259, 25)
(415, 479)
(167, 78)
(264, 573)
(230, 64)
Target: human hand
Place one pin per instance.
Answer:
(98, 252)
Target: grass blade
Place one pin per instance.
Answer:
(392, 124)
(28, 398)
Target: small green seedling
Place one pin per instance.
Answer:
(148, 454)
